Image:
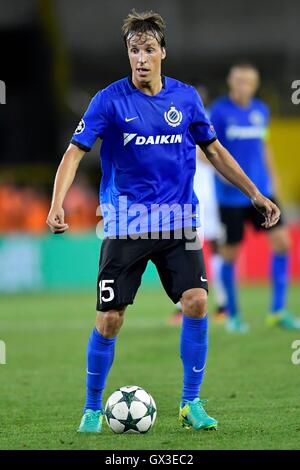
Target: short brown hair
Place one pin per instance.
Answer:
(144, 22)
(245, 65)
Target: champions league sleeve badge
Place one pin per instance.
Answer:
(173, 117)
(80, 127)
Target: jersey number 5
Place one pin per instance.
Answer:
(108, 289)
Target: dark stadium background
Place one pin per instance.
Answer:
(54, 56)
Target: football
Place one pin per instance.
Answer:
(130, 409)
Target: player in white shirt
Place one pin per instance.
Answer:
(211, 231)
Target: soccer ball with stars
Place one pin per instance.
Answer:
(130, 409)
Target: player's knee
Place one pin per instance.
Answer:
(109, 323)
(229, 252)
(194, 303)
(280, 241)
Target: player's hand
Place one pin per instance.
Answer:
(268, 209)
(56, 220)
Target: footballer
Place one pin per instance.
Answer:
(150, 126)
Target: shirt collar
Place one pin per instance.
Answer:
(163, 80)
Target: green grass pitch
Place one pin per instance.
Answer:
(252, 385)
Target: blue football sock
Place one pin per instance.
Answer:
(228, 279)
(100, 355)
(193, 352)
(280, 281)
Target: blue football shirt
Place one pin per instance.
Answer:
(148, 154)
(242, 131)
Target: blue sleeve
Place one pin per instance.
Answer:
(201, 128)
(267, 115)
(266, 112)
(92, 125)
(217, 120)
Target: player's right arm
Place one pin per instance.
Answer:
(64, 178)
(91, 126)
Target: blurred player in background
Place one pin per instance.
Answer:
(204, 187)
(150, 126)
(241, 122)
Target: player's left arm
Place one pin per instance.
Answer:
(228, 167)
(201, 156)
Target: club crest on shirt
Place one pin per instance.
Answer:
(80, 127)
(173, 117)
(256, 118)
